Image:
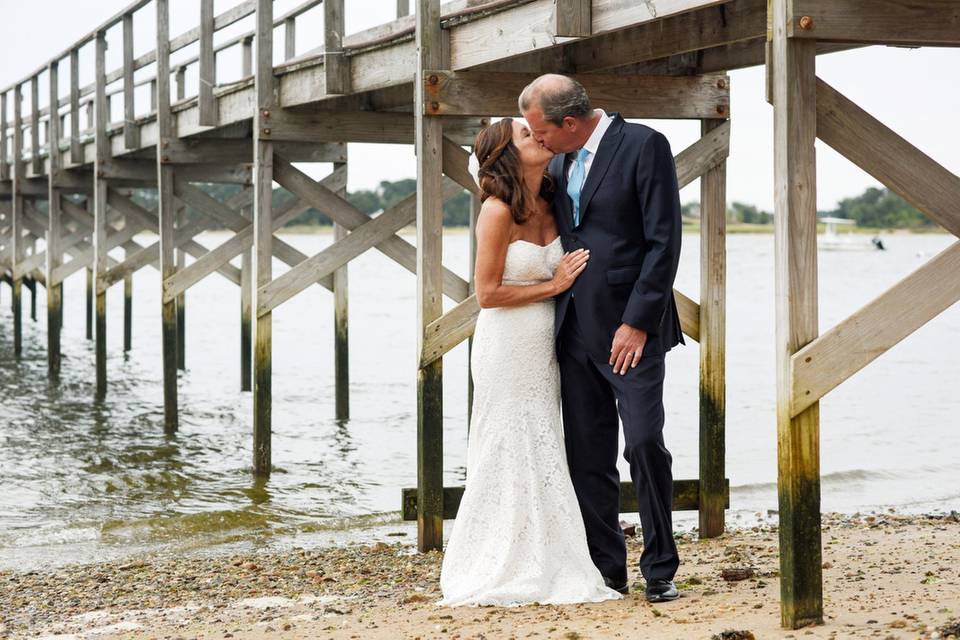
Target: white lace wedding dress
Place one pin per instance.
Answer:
(518, 537)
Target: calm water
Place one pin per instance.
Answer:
(87, 482)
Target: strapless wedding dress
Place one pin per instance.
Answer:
(518, 537)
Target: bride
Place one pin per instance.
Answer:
(518, 537)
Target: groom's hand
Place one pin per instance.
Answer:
(627, 348)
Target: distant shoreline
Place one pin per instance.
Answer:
(737, 228)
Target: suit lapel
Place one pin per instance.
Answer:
(601, 162)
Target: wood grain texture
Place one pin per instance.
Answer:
(917, 23)
(686, 497)
(795, 239)
(713, 272)
(478, 93)
(166, 225)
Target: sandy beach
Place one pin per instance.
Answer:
(885, 576)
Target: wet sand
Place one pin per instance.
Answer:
(885, 576)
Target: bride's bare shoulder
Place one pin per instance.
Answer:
(495, 211)
(494, 219)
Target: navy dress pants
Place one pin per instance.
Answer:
(592, 397)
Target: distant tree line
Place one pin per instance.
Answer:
(873, 209)
(882, 209)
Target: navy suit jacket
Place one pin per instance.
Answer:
(630, 222)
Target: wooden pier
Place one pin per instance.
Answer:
(433, 80)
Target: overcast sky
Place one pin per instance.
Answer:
(914, 91)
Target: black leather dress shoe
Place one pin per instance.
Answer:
(620, 587)
(661, 590)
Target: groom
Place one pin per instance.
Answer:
(616, 195)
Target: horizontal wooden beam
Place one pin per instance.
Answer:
(686, 497)
(670, 34)
(921, 23)
(479, 93)
(889, 158)
(839, 353)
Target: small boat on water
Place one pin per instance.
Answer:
(831, 240)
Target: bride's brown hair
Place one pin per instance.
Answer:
(500, 172)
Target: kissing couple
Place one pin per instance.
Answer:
(578, 242)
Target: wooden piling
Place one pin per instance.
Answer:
(341, 338)
(166, 208)
(102, 144)
(53, 251)
(246, 262)
(246, 309)
(16, 221)
(263, 237)
(127, 309)
(32, 286)
(713, 212)
(795, 227)
(181, 262)
(429, 142)
(89, 303)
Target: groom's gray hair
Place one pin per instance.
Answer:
(558, 96)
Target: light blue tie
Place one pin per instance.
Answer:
(576, 183)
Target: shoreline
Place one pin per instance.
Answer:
(731, 228)
(885, 575)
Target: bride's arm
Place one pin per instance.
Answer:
(494, 227)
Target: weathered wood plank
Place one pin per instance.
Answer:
(167, 213)
(825, 363)
(263, 238)
(76, 150)
(428, 143)
(207, 104)
(795, 232)
(4, 140)
(36, 161)
(131, 132)
(686, 497)
(479, 93)
(17, 219)
(572, 18)
(246, 310)
(921, 23)
(54, 251)
(713, 273)
(889, 158)
(708, 152)
(341, 324)
(336, 65)
(102, 144)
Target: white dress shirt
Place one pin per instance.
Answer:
(592, 143)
